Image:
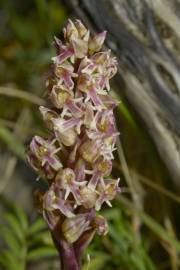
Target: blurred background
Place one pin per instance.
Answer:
(144, 220)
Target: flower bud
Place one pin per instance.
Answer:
(101, 225)
(89, 150)
(82, 30)
(73, 228)
(48, 116)
(89, 197)
(65, 131)
(67, 138)
(70, 31)
(95, 44)
(59, 96)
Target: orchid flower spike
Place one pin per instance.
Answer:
(76, 158)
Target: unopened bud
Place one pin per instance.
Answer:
(90, 151)
(95, 44)
(73, 228)
(101, 225)
(89, 197)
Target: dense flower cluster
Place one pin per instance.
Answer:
(76, 159)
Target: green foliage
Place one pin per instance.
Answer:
(23, 242)
(17, 148)
(126, 251)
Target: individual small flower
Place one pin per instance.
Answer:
(104, 125)
(65, 73)
(107, 190)
(53, 200)
(66, 180)
(86, 84)
(45, 152)
(103, 168)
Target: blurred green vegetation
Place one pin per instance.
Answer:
(144, 220)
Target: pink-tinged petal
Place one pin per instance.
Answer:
(64, 209)
(73, 108)
(67, 79)
(112, 67)
(34, 147)
(83, 83)
(95, 44)
(83, 63)
(89, 69)
(65, 73)
(53, 202)
(33, 161)
(63, 125)
(73, 154)
(94, 180)
(103, 82)
(53, 162)
(51, 219)
(109, 102)
(95, 98)
(86, 66)
(57, 43)
(70, 123)
(102, 168)
(89, 119)
(64, 55)
(76, 193)
(100, 58)
(47, 171)
(80, 170)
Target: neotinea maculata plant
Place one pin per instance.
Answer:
(76, 159)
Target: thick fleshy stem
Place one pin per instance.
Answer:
(70, 254)
(68, 259)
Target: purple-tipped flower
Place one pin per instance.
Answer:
(77, 157)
